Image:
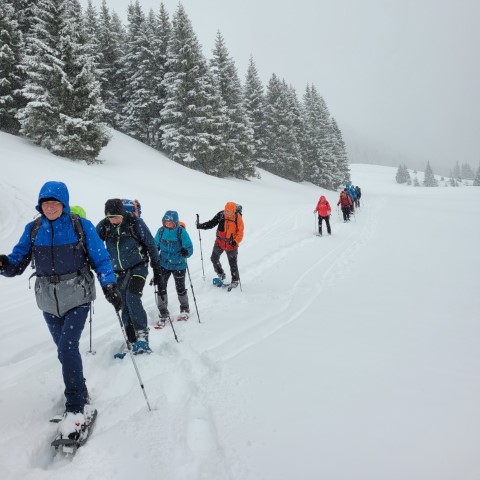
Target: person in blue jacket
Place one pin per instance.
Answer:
(175, 246)
(64, 287)
(131, 246)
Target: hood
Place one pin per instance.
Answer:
(323, 199)
(229, 210)
(170, 215)
(56, 190)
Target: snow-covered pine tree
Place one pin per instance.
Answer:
(143, 76)
(416, 183)
(341, 158)
(456, 172)
(429, 179)
(476, 180)
(254, 101)
(467, 172)
(284, 152)
(402, 175)
(64, 111)
(11, 73)
(24, 13)
(194, 112)
(111, 44)
(324, 151)
(237, 130)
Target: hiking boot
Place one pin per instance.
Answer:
(221, 276)
(142, 335)
(235, 283)
(140, 346)
(72, 424)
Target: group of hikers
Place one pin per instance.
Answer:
(348, 201)
(64, 248)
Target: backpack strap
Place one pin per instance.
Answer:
(77, 227)
(179, 234)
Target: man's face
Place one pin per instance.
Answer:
(52, 209)
(115, 219)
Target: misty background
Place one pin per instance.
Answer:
(401, 77)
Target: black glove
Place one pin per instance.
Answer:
(112, 294)
(184, 252)
(157, 277)
(232, 242)
(3, 261)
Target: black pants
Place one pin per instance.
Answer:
(346, 213)
(327, 221)
(179, 277)
(232, 260)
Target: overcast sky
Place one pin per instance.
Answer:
(401, 77)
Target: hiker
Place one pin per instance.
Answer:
(63, 251)
(323, 209)
(130, 245)
(346, 205)
(229, 235)
(350, 189)
(358, 192)
(175, 246)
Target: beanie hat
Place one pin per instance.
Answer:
(114, 207)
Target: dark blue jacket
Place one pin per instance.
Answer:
(129, 243)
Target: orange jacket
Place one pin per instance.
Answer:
(323, 207)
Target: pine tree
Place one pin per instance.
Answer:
(111, 44)
(402, 176)
(284, 153)
(476, 180)
(193, 117)
(467, 172)
(416, 183)
(456, 172)
(238, 135)
(65, 112)
(254, 101)
(11, 74)
(429, 179)
(341, 157)
(143, 76)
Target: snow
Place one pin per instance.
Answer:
(347, 357)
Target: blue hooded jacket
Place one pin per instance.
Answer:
(54, 248)
(168, 243)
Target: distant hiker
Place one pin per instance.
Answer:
(229, 235)
(346, 204)
(64, 287)
(358, 191)
(78, 210)
(349, 188)
(175, 246)
(130, 245)
(324, 210)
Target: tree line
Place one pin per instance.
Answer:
(66, 75)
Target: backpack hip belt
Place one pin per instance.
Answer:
(67, 276)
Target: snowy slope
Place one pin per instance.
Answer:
(350, 356)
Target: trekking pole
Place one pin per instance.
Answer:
(92, 352)
(169, 317)
(129, 348)
(193, 293)
(201, 253)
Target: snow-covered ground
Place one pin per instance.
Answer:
(347, 357)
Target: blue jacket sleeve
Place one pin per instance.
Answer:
(98, 254)
(20, 256)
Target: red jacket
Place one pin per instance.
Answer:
(345, 200)
(323, 207)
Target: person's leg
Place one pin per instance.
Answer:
(327, 221)
(179, 276)
(232, 260)
(215, 258)
(71, 326)
(162, 297)
(133, 297)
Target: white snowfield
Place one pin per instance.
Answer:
(347, 357)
